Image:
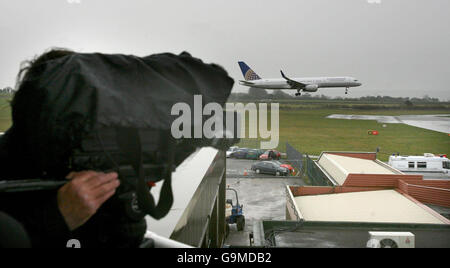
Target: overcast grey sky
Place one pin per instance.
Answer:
(397, 47)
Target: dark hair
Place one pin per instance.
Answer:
(27, 106)
(27, 66)
(28, 69)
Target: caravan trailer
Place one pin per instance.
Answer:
(425, 163)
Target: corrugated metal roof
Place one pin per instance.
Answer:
(386, 206)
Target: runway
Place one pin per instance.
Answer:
(439, 123)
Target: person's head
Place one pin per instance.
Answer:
(28, 69)
(26, 105)
(28, 65)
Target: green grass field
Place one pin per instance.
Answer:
(5, 113)
(309, 131)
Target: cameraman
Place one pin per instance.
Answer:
(52, 218)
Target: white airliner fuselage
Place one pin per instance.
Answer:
(307, 84)
(320, 82)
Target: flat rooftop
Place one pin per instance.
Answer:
(339, 167)
(343, 235)
(359, 166)
(384, 206)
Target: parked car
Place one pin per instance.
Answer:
(265, 156)
(253, 154)
(271, 168)
(291, 169)
(240, 153)
(232, 150)
(246, 153)
(260, 152)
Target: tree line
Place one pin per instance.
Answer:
(255, 94)
(7, 90)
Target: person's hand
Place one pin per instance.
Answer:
(86, 192)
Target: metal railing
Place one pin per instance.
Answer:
(197, 218)
(315, 175)
(295, 158)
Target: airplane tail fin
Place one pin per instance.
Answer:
(247, 72)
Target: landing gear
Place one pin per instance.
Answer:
(298, 93)
(346, 91)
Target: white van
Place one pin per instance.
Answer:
(426, 163)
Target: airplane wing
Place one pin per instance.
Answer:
(292, 83)
(246, 83)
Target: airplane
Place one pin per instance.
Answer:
(307, 84)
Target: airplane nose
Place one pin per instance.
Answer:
(358, 84)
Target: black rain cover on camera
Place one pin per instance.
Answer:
(81, 92)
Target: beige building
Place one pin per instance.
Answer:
(369, 191)
(339, 167)
(383, 206)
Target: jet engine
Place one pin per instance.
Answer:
(311, 88)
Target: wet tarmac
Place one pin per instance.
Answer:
(439, 123)
(263, 197)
